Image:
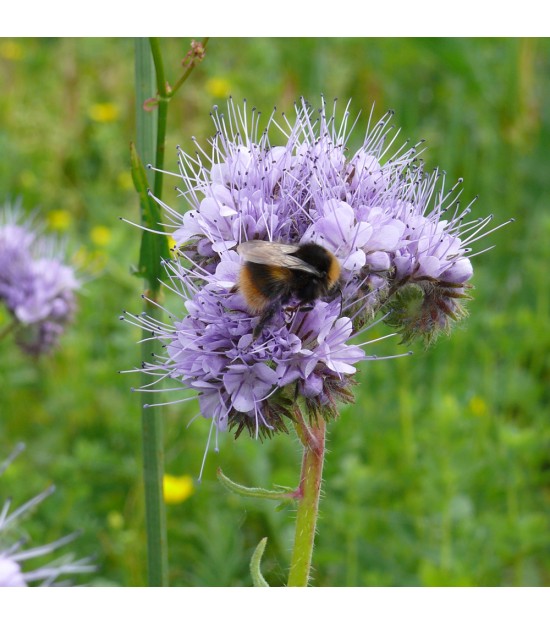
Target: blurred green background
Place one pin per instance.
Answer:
(440, 473)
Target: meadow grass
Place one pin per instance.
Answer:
(440, 472)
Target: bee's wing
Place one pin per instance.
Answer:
(270, 253)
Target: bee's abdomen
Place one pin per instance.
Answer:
(261, 284)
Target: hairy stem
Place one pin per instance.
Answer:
(308, 506)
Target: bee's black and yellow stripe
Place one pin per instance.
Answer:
(262, 284)
(305, 272)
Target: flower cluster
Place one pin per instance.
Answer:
(402, 242)
(12, 542)
(36, 286)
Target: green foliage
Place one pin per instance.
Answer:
(257, 577)
(439, 473)
(154, 247)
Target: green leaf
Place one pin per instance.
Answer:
(154, 247)
(282, 492)
(285, 504)
(257, 577)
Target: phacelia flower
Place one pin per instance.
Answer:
(36, 286)
(14, 570)
(392, 227)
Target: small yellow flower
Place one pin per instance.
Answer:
(477, 406)
(100, 236)
(11, 50)
(177, 488)
(59, 219)
(103, 112)
(218, 87)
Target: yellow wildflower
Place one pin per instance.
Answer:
(177, 488)
(218, 87)
(103, 112)
(100, 235)
(477, 406)
(59, 219)
(11, 50)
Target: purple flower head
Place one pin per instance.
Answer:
(390, 226)
(16, 242)
(36, 286)
(14, 570)
(243, 383)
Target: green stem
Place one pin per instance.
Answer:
(162, 113)
(150, 144)
(153, 474)
(308, 506)
(146, 121)
(164, 95)
(151, 419)
(188, 71)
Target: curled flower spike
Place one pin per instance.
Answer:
(391, 227)
(13, 554)
(36, 286)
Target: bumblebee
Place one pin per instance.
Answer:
(273, 273)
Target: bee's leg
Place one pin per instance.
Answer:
(266, 316)
(289, 311)
(292, 310)
(298, 308)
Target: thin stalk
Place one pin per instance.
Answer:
(162, 113)
(313, 439)
(151, 419)
(146, 121)
(153, 474)
(188, 71)
(164, 95)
